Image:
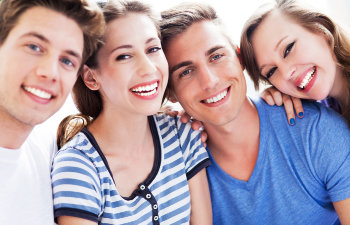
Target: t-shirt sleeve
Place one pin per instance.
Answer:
(195, 155)
(331, 140)
(76, 187)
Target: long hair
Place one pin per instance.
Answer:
(311, 20)
(89, 102)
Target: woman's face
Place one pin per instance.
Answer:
(296, 61)
(133, 71)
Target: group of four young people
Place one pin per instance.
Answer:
(120, 163)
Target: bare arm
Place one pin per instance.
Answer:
(70, 220)
(201, 213)
(343, 211)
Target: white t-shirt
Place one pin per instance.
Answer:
(25, 186)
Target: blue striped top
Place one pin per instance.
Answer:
(84, 187)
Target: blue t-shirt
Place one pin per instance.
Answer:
(83, 185)
(300, 171)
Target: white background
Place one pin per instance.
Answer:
(233, 13)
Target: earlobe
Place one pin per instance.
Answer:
(172, 97)
(89, 78)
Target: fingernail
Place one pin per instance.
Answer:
(292, 121)
(301, 114)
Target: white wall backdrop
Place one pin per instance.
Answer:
(233, 13)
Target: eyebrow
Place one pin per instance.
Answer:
(179, 65)
(44, 39)
(213, 49)
(187, 63)
(276, 47)
(130, 46)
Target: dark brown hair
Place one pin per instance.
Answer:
(178, 19)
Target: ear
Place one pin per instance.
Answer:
(172, 97)
(238, 53)
(89, 78)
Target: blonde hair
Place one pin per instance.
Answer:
(311, 20)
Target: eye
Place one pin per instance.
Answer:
(67, 62)
(185, 73)
(123, 57)
(154, 49)
(216, 57)
(34, 47)
(270, 72)
(288, 49)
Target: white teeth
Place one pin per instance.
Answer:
(38, 93)
(216, 98)
(146, 90)
(307, 78)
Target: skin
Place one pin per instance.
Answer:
(286, 63)
(38, 54)
(203, 64)
(187, 55)
(132, 56)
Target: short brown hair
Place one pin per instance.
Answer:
(178, 19)
(86, 14)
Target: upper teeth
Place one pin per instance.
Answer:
(146, 90)
(216, 98)
(307, 78)
(38, 93)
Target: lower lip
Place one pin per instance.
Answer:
(37, 99)
(148, 97)
(310, 84)
(222, 101)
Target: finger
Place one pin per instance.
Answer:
(288, 106)
(298, 106)
(204, 136)
(277, 97)
(185, 118)
(196, 124)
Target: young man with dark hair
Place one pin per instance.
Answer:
(43, 45)
(263, 170)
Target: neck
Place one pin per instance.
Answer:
(125, 131)
(13, 132)
(230, 137)
(340, 89)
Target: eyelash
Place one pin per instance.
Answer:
(288, 49)
(271, 72)
(216, 57)
(187, 71)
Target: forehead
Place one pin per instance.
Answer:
(130, 28)
(59, 30)
(195, 41)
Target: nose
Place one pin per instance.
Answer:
(287, 71)
(208, 78)
(145, 65)
(48, 67)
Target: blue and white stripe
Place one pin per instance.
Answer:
(83, 186)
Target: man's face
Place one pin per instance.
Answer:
(206, 75)
(39, 61)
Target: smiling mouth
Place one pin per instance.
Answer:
(146, 90)
(216, 98)
(38, 93)
(309, 76)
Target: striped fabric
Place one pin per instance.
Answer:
(83, 186)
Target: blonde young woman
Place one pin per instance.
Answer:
(302, 53)
(127, 165)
